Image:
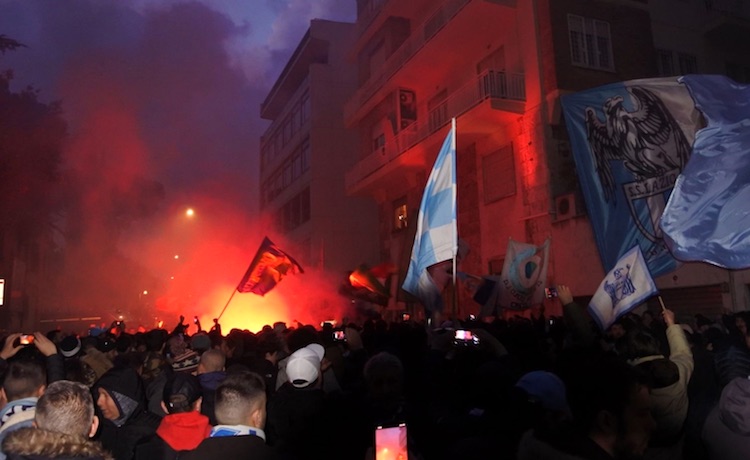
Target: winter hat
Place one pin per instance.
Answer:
(105, 344)
(734, 410)
(200, 342)
(546, 389)
(70, 346)
(303, 366)
(180, 392)
(186, 362)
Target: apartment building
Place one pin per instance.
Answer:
(500, 67)
(306, 151)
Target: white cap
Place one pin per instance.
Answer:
(303, 366)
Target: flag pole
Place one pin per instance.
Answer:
(455, 203)
(234, 291)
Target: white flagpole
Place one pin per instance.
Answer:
(455, 201)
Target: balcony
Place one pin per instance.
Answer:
(728, 22)
(419, 38)
(502, 95)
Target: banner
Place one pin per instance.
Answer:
(524, 275)
(707, 218)
(268, 267)
(628, 284)
(436, 239)
(630, 142)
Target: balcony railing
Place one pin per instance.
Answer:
(406, 51)
(490, 84)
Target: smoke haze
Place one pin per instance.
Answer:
(162, 100)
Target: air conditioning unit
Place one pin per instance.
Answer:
(567, 206)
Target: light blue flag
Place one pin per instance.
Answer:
(628, 284)
(707, 217)
(436, 239)
(630, 141)
(524, 275)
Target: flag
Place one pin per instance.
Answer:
(268, 267)
(707, 218)
(436, 239)
(364, 283)
(487, 296)
(524, 275)
(630, 141)
(628, 284)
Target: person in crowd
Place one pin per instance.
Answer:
(549, 416)
(241, 413)
(726, 432)
(25, 379)
(669, 378)
(64, 421)
(611, 410)
(120, 399)
(211, 373)
(300, 412)
(184, 427)
(24, 383)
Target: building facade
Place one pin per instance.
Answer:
(500, 67)
(306, 151)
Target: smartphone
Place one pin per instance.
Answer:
(195, 320)
(405, 317)
(465, 337)
(26, 339)
(339, 335)
(550, 292)
(390, 442)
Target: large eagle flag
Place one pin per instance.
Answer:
(633, 140)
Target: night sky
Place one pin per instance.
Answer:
(169, 91)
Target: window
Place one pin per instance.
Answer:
(377, 134)
(400, 215)
(688, 63)
(665, 63)
(305, 155)
(499, 174)
(438, 110)
(590, 43)
(305, 107)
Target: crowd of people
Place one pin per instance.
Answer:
(524, 388)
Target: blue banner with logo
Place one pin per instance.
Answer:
(630, 141)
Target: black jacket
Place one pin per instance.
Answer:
(135, 422)
(230, 448)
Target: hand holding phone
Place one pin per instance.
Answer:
(550, 292)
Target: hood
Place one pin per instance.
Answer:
(126, 388)
(184, 431)
(734, 406)
(43, 443)
(211, 380)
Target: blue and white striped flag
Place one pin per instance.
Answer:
(707, 218)
(628, 284)
(436, 239)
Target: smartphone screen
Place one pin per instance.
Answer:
(390, 443)
(26, 339)
(465, 337)
(339, 335)
(550, 292)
